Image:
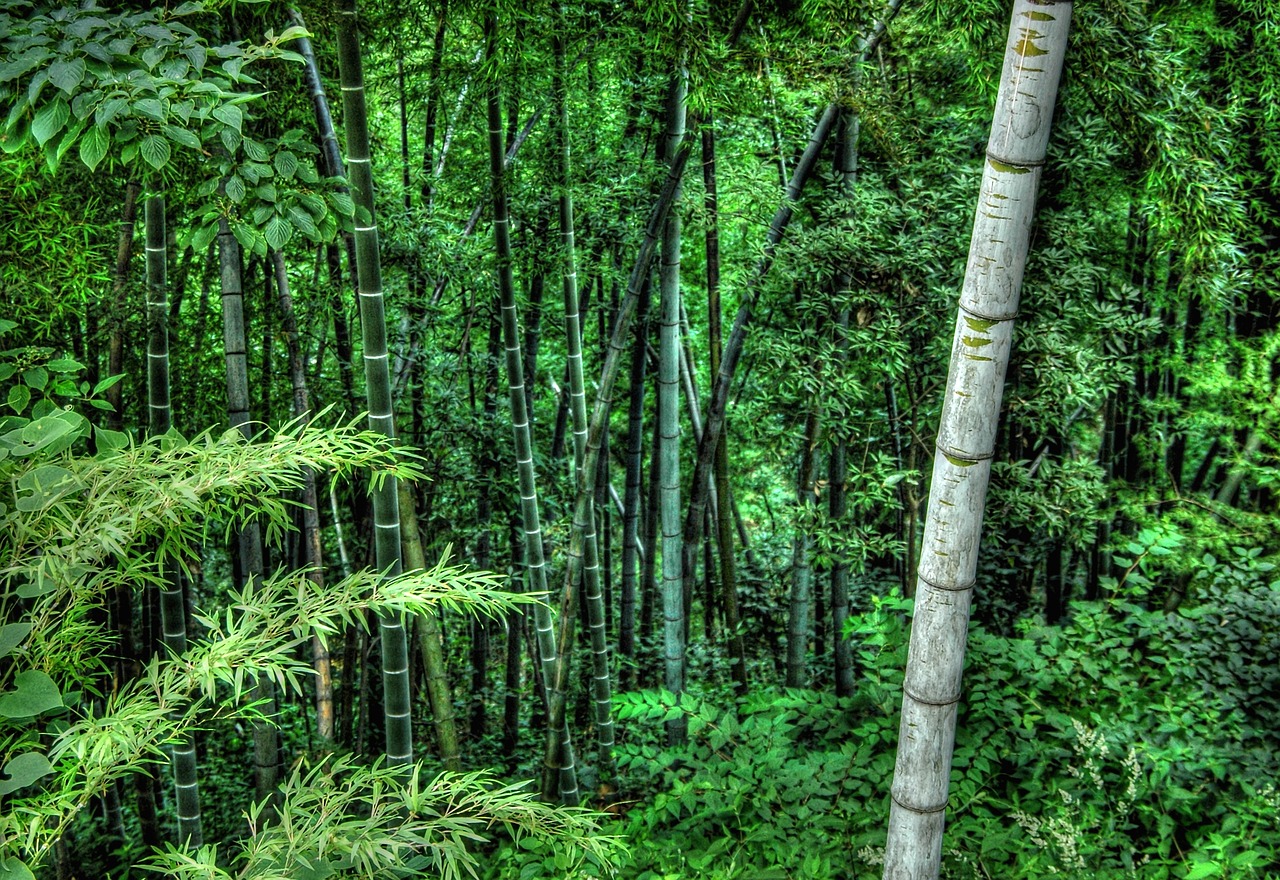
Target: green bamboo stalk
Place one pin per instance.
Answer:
(265, 735)
(601, 690)
(535, 564)
(173, 617)
(439, 693)
(312, 551)
(373, 323)
(673, 611)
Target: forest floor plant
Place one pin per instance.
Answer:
(1123, 743)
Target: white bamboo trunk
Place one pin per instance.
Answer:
(966, 437)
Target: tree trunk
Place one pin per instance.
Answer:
(967, 434)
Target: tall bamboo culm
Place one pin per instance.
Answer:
(173, 616)
(967, 433)
(535, 565)
(673, 607)
(373, 324)
(593, 595)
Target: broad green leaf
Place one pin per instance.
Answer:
(342, 204)
(255, 151)
(110, 440)
(21, 64)
(67, 75)
(84, 103)
(64, 365)
(155, 151)
(201, 238)
(46, 484)
(110, 109)
(235, 189)
(50, 120)
(150, 108)
(230, 115)
(182, 136)
(11, 635)
(302, 220)
(286, 164)
(153, 56)
(244, 234)
(230, 139)
(106, 383)
(34, 693)
(1201, 870)
(195, 53)
(36, 377)
(278, 232)
(93, 147)
(24, 770)
(13, 869)
(19, 397)
(267, 192)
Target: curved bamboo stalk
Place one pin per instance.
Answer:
(967, 434)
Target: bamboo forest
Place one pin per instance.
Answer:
(709, 439)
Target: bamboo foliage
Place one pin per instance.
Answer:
(373, 323)
(967, 434)
(718, 406)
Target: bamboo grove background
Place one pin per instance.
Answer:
(657, 300)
